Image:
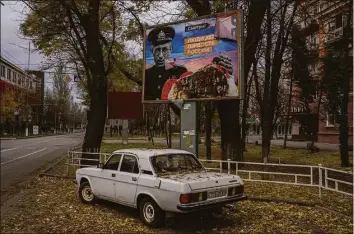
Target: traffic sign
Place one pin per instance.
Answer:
(67, 79)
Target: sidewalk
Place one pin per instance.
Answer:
(32, 136)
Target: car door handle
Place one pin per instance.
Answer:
(134, 179)
(113, 175)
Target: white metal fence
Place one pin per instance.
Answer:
(292, 174)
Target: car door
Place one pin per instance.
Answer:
(127, 179)
(105, 182)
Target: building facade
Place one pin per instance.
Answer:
(323, 24)
(27, 88)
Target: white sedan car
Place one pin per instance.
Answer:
(157, 181)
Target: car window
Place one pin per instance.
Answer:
(113, 162)
(129, 164)
(175, 163)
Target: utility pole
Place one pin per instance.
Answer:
(28, 64)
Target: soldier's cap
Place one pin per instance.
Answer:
(161, 35)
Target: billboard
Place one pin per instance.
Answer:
(125, 105)
(199, 59)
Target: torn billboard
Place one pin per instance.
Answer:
(200, 59)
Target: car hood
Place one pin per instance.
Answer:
(202, 180)
(88, 170)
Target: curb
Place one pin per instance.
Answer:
(57, 161)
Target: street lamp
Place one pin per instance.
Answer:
(16, 115)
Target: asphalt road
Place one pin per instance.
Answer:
(21, 157)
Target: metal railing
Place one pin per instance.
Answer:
(312, 176)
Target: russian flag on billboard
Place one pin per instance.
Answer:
(226, 26)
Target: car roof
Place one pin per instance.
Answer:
(147, 153)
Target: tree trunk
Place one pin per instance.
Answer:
(265, 107)
(207, 127)
(288, 113)
(169, 128)
(230, 130)
(98, 86)
(343, 128)
(245, 126)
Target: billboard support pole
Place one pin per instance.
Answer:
(189, 127)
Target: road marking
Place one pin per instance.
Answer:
(23, 156)
(25, 145)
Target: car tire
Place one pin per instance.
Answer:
(151, 214)
(85, 193)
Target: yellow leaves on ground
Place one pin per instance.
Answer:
(54, 207)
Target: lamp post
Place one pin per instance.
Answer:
(59, 121)
(16, 115)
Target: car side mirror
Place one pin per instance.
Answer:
(100, 165)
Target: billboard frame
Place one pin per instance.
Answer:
(239, 35)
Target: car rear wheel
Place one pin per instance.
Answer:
(151, 214)
(85, 193)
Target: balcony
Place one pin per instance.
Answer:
(334, 35)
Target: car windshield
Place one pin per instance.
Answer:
(175, 163)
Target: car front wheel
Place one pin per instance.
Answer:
(151, 214)
(85, 193)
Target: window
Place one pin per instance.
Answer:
(129, 164)
(9, 74)
(3, 71)
(339, 22)
(19, 79)
(330, 120)
(113, 162)
(331, 25)
(323, 6)
(315, 8)
(14, 77)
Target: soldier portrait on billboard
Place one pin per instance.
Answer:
(198, 59)
(163, 69)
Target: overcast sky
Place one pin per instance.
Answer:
(13, 46)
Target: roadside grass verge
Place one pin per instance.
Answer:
(54, 207)
(286, 156)
(253, 154)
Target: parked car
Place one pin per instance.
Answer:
(157, 181)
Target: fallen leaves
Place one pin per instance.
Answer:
(54, 208)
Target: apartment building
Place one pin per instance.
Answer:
(323, 24)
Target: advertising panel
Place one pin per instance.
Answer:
(200, 59)
(125, 105)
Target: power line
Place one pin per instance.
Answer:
(10, 55)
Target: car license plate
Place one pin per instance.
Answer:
(217, 193)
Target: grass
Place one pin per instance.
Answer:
(253, 154)
(286, 156)
(109, 148)
(107, 136)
